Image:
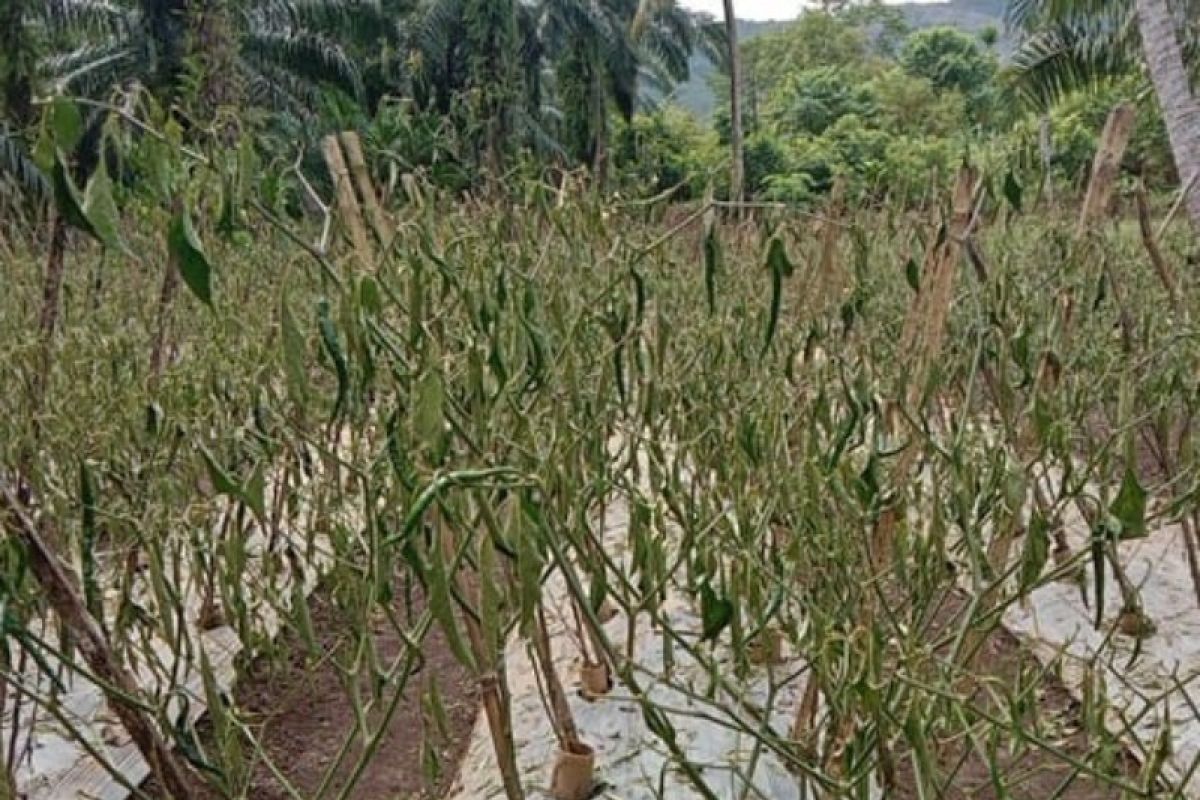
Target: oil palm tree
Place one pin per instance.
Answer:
(1067, 43)
(604, 54)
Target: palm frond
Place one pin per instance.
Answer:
(307, 54)
(1062, 53)
(90, 69)
(17, 166)
(1029, 15)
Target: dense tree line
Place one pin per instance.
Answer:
(463, 89)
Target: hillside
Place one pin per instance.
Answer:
(969, 15)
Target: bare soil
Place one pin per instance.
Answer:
(1031, 773)
(301, 715)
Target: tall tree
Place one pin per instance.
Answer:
(737, 171)
(1172, 84)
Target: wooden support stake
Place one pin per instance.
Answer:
(119, 687)
(347, 203)
(366, 189)
(924, 335)
(832, 280)
(1107, 165)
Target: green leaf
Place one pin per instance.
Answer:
(100, 209)
(912, 274)
(66, 123)
(1035, 552)
(369, 297)
(1130, 506)
(715, 613)
(184, 246)
(780, 267)
(67, 199)
(440, 606)
(1013, 191)
(428, 409)
(250, 492)
(333, 348)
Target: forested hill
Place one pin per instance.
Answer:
(969, 15)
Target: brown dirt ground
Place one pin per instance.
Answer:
(1031, 774)
(300, 713)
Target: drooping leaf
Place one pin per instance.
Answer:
(101, 210)
(250, 492)
(716, 613)
(87, 542)
(67, 199)
(428, 408)
(188, 253)
(1035, 552)
(1099, 538)
(1129, 507)
(333, 348)
(780, 266)
(912, 274)
(66, 123)
(1013, 192)
(712, 264)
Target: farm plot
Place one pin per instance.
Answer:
(737, 472)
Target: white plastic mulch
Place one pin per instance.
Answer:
(1156, 688)
(53, 765)
(631, 761)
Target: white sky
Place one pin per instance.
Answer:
(755, 9)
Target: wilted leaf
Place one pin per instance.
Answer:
(101, 210)
(427, 410)
(1035, 553)
(67, 199)
(715, 612)
(185, 248)
(66, 123)
(1130, 506)
(1013, 191)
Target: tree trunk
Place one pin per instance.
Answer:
(1172, 84)
(737, 173)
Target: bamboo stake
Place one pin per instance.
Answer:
(564, 720)
(493, 684)
(832, 280)
(347, 203)
(1166, 274)
(366, 189)
(1107, 164)
(924, 335)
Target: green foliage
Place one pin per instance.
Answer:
(949, 59)
(813, 100)
(662, 149)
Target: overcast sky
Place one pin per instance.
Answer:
(753, 9)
